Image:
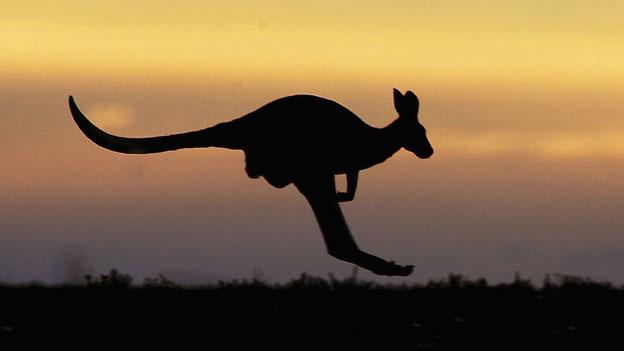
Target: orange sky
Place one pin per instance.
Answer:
(523, 102)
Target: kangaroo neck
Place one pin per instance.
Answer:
(383, 143)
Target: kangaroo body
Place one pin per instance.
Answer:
(304, 140)
(293, 137)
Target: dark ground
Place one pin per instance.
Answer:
(451, 314)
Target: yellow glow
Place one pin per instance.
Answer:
(558, 144)
(609, 143)
(115, 117)
(400, 39)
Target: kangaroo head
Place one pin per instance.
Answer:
(412, 134)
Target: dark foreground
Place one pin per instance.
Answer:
(452, 314)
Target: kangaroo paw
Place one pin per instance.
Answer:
(343, 197)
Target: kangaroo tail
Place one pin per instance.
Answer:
(200, 138)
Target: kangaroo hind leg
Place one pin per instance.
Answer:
(321, 194)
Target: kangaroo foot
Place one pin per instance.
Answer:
(393, 269)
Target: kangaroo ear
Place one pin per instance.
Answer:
(411, 99)
(398, 100)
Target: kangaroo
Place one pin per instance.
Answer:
(305, 140)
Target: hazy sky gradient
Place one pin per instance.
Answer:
(523, 102)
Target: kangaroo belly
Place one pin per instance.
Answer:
(281, 166)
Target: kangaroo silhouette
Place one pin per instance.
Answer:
(305, 140)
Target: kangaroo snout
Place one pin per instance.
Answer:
(424, 154)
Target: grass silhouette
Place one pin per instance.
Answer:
(451, 313)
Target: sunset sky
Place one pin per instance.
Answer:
(523, 101)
